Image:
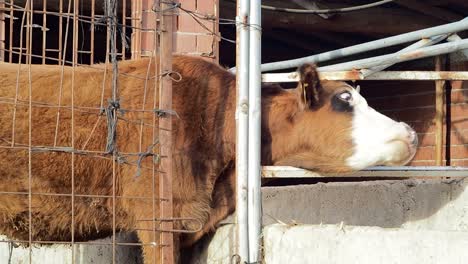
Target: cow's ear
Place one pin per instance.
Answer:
(309, 86)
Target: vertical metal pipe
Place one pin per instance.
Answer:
(29, 22)
(2, 32)
(242, 122)
(165, 132)
(255, 127)
(93, 20)
(60, 40)
(10, 49)
(73, 157)
(124, 27)
(44, 32)
(439, 115)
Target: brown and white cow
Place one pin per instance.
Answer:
(323, 126)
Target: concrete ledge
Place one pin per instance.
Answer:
(409, 204)
(11, 252)
(362, 245)
(403, 221)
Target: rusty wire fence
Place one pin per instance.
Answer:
(75, 136)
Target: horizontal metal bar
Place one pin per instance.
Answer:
(292, 172)
(399, 57)
(420, 44)
(403, 172)
(372, 45)
(384, 75)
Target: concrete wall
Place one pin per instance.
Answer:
(357, 222)
(14, 253)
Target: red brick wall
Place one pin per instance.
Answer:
(414, 102)
(196, 28)
(193, 38)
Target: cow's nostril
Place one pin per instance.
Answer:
(413, 136)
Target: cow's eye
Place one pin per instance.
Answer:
(345, 96)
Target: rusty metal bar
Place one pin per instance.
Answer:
(384, 75)
(165, 131)
(439, 115)
(422, 43)
(398, 57)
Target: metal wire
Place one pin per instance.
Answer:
(326, 11)
(71, 28)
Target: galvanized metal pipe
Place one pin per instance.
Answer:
(399, 57)
(255, 108)
(242, 128)
(420, 44)
(381, 76)
(455, 37)
(372, 45)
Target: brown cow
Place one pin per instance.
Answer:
(327, 127)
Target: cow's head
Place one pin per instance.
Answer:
(333, 129)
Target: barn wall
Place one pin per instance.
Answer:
(197, 36)
(196, 31)
(403, 221)
(414, 102)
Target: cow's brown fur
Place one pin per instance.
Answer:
(296, 130)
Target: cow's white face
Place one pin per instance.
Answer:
(334, 129)
(378, 140)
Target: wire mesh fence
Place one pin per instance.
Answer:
(85, 133)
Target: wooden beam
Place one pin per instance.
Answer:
(423, 8)
(375, 22)
(439, 115)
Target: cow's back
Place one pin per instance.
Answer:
(203, 134)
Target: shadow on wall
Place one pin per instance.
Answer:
(408, 204)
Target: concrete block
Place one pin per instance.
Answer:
(11, 252)
(362, 245)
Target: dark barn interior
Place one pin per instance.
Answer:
(290, 35)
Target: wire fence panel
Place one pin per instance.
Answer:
(86, 133)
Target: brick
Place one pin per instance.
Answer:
(187, 23)
(205, 44)
(206, 6)
(147, 4)
(391, 88)
(188, 4)
(422, 163)
(459, 162)
(428, 153)
(208, 26)
(396, 102)
(148, 21)
(185, 43)
(456, 138)
(147, 42)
